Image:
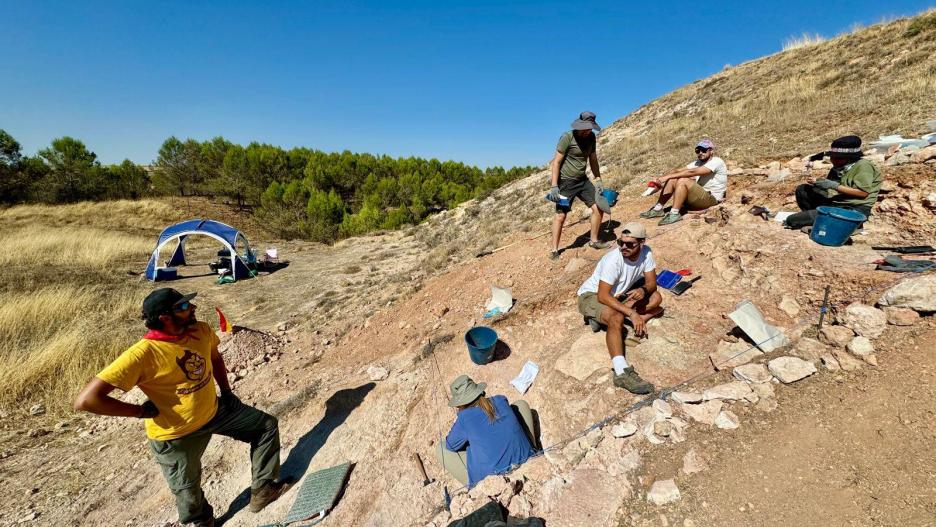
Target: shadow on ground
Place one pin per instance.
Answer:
(337, 409)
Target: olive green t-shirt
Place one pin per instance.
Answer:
(577, 151)
(862, 175)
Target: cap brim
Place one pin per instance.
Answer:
(185, 298)
(855, 155)
(468, 397)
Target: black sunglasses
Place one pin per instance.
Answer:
(181, 307)
(699, 149)
(629, 245)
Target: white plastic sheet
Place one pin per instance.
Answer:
(526, 376)
(501, 301)
(751, 321)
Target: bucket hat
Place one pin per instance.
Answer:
(586, 121)
(465, 390)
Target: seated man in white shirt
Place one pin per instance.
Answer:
(623, 286)
(698, 186)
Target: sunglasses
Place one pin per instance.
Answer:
(184, 306)
(699, 150)
(629, 245)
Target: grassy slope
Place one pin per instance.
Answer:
(872, 82)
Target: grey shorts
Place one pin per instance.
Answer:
(582, 189)
(590, 307)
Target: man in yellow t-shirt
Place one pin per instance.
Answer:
(174, 364)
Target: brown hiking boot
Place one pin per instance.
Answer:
(267, 494)
(630, 381)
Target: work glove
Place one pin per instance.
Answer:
(149, 410)
(825, 183)
(816, 157)
(554, 194)
(598, 186)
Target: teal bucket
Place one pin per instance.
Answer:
(833, 225)
(481, 341)
(610, 195)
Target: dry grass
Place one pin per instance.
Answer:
(38, 245)
(67, 304)
(873, 82)
(806, 39)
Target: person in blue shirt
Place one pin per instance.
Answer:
(487, 438)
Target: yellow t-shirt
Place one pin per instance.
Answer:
(176, 376)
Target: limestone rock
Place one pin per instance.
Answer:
(790, 369)
(923, 155)
(865, 320)
(663, 428)
(704, 413)
(491, 486)
(519, 506)
(731, 354)
(917, 293)
(626, 429)
(768, 404)
(809, 349)
(860, 347)
(752, 373)
(836, 335)
(591, 497)
(662, 408)
(830, 362)
(727, 420)
(686, 397)
(763, 390)
(789, 306)
(693, 462)
(575, 264)
(899, 158)
(731, 391)
(901, 316)
(587, 355)
(846, 361)
(377, 373)
(663, 492)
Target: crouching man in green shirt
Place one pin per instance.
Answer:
(853, 183)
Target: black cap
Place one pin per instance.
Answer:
(848, 146)
(161, 301)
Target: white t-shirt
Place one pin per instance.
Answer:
(715, 183)
(618, 271)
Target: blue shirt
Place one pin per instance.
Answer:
(492, 447)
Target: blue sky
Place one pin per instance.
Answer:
(488, 83)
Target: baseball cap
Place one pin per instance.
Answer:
(706, 143)
(161, 301)
(634, 230)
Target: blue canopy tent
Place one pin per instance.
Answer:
(226, 235)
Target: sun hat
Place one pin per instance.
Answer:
(706, 144)
(464, 391)
(848, 146)
(161, 301)
(586, 121)
(634, 230)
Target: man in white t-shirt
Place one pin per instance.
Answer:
(623, 286)
(697, 186)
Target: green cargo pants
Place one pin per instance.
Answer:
(180, 459)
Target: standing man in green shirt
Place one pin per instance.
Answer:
(853, 183)
(575, 151)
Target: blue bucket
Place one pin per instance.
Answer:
(833, 225)
(481, 341)
(610, 195)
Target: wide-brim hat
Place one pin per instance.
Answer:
(465, 391)
(848, 146)
(586, 121)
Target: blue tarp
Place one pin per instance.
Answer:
(224, 234)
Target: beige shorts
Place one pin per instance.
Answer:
(698, 198)
(589, 306)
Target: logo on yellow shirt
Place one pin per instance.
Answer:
(193, 366)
